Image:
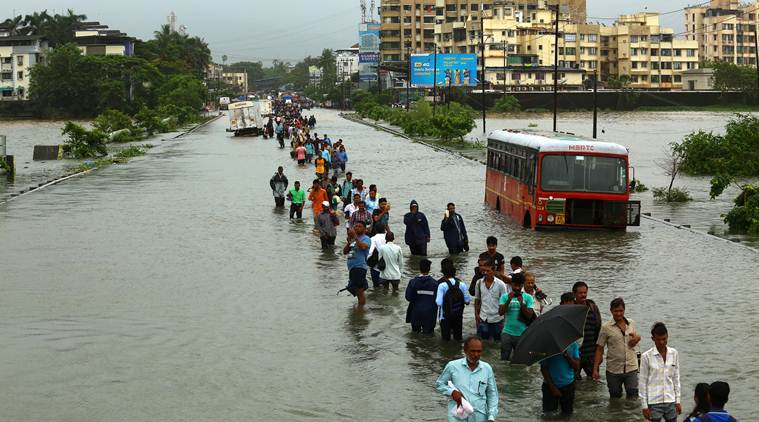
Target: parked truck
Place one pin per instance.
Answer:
(224, 103)
(247, 117)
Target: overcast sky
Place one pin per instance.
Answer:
(275, 29)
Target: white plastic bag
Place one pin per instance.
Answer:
(461, 412)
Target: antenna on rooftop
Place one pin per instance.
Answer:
(363, 11)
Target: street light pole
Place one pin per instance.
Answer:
(504, 66)
(482, 59)
(434, 81)
(408, 79)
(556, 69)
(595, 104)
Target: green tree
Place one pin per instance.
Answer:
(15, 25)
(732, 77)
(174, 53)
(36, 23)
(182, 91)
(83, 143)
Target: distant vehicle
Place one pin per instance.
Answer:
(246, 118)
(224, 103)
(556, 180)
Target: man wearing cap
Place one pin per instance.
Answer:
(326, 222)
(417, 230)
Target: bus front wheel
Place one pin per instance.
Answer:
(527, 220)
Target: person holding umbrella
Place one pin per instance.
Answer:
(559, 374)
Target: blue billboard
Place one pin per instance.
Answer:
(368, 51)
(453, 69)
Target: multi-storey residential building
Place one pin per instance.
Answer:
(237, 79)
(635, 46)
(95, 39)
(18, 55)
(408, 26)
(725, 30)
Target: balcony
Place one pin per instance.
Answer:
(6, 67)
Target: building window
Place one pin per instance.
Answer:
(634, 65)
(20, 60)
(570, 37)
(634, 39)
(6, 76)
(20, 76)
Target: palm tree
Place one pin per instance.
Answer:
(61, 28)
(15, 26)
(36, 23)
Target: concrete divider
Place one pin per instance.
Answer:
(47, 152)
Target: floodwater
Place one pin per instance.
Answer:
(171, 289)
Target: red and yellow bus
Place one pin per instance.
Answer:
(558, 180)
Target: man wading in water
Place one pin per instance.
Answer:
(357, 250)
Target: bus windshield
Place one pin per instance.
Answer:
(583, 173)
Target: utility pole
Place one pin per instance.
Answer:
(756, 58)
(595, 104)
(379, 79)
(556, 69)
(482, 65)
(434, 82)
(408, 80)
(504, 66)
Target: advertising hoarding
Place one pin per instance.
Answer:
(453, 69)
(368, 51)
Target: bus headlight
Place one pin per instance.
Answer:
(550, 218)
(540, 218)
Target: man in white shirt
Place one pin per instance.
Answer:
(487, 293)
(378, 240)
(393, 258)
(659, 380)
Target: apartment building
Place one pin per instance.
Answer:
(635, 46)
(725, 30)
(238, 79)
(409, 26)
(18, 55)
(346, 61)
(95, 39)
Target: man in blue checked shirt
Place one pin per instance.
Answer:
(475, 382)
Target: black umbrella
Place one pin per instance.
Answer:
(550, 334)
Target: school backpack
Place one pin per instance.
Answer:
(453, 301)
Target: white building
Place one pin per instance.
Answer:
(347, 62)
(238, 79)
(18, 55)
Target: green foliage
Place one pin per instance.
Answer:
(729, 158)
(127, 153)
(150, 121)
(744, 217)
(507, 104)
(182, 91)
(639, 186)
(83, 143)
(175, 53)
(734, 154)
(732, 77)
(450, 122)
(113, 120)
(71, 84)
(57, 29)
(182, 115)
(671, 195)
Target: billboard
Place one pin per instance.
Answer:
(368, 51)
(456, 69)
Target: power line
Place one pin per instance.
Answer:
(660, 14)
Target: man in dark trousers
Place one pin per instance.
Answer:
(417, 230)
(420, 293)
(454, 231)
(452, 296)
(278, 184)
(593, 325)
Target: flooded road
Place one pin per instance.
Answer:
(171, 289)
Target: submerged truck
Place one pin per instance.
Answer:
(247, 117)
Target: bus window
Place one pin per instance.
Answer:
(583, 173)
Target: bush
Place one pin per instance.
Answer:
(183, 115)
(127, 153)
(671, 195)
(113, 120)
(744, 217)
(83, 143)
(639, 186)
(151, 121)
(507, 104)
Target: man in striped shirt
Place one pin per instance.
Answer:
(659, 380)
